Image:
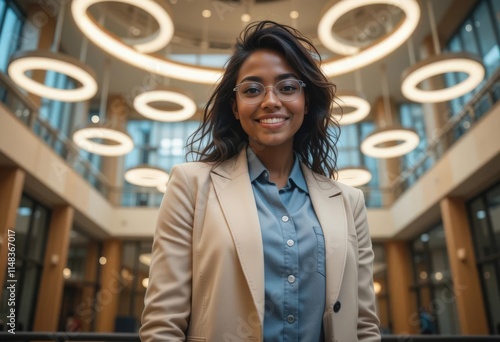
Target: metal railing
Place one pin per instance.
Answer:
(449, 133)
(27, 112)
(133, 337)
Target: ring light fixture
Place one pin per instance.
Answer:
(354, 176)
(357, 58)
(83, 138)
(438, 65)
(350, 99)
(146, 176)
(142, 104)
(406, 140)
(129, 54)
(25, 61)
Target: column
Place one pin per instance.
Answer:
(388, 168)
(11, 189)
(404, 312)
(85, 310)
(52, 282)
(113, 167)
(111, 287)
(466, 284)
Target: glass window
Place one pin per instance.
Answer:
(433, 283)
(81, 283)
(9, 36)
(158, 144)
(493, 203)
(136, 256)
(381, 288)
(490, 275)
(32, 225)
(484, 216)
(487, 37)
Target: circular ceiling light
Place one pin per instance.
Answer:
(438, 65)
(115, 47)
(354, 176)
(142, 104)
(84, 138)
(23, 62)
(145, 258)
(162, 187)
(350, 99)
(147, 176)
(159, 12)
(357, 58)
(403, 141)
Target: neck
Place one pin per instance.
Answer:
(278, 161)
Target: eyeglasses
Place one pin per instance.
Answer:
(254, 92)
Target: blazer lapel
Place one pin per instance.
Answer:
(234, 192)
(328, 204)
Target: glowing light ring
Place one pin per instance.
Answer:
(146, 176)
(354, 176)
(143, 107)
(150, 63)
(437, 65)
(82, 138)
(157, 40)
(352, 100)
(22, 62)
(409, 137)
(373, 53)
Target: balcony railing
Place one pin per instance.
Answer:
(456, 126)
(126, 337)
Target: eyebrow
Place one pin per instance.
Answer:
(278, 78)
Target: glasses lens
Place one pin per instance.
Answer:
(254, 92)
(288, 90)
(251, 92)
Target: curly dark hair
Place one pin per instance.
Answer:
(221, 137)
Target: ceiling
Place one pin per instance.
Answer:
(216, 35)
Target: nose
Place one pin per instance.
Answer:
(270, 98)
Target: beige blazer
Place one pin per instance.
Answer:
(206, 278)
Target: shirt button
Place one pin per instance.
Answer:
(290, 243)
(291, 279)
(284, 218)
(290, 319)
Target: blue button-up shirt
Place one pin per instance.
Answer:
(294, 256)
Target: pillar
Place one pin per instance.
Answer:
(113, 167)
(111, 287)
(51, 288)
(85, 310)
(11, 189)
(389, 168)
(404, 314)
(467, 288)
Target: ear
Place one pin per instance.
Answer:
(234, 106)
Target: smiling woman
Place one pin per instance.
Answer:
(265, 145)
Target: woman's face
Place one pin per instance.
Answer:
(270, 123)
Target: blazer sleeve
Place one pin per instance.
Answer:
(368, 322)
(168, 296)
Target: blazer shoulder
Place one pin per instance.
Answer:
(193, 169)
(352, 194)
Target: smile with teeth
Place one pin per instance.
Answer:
(272, 120)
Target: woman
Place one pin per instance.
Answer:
(255, 241)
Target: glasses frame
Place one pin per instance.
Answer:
(301, 85)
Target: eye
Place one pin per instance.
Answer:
(288, 87)
(250, 89)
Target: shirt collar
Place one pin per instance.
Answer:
(256, 168)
